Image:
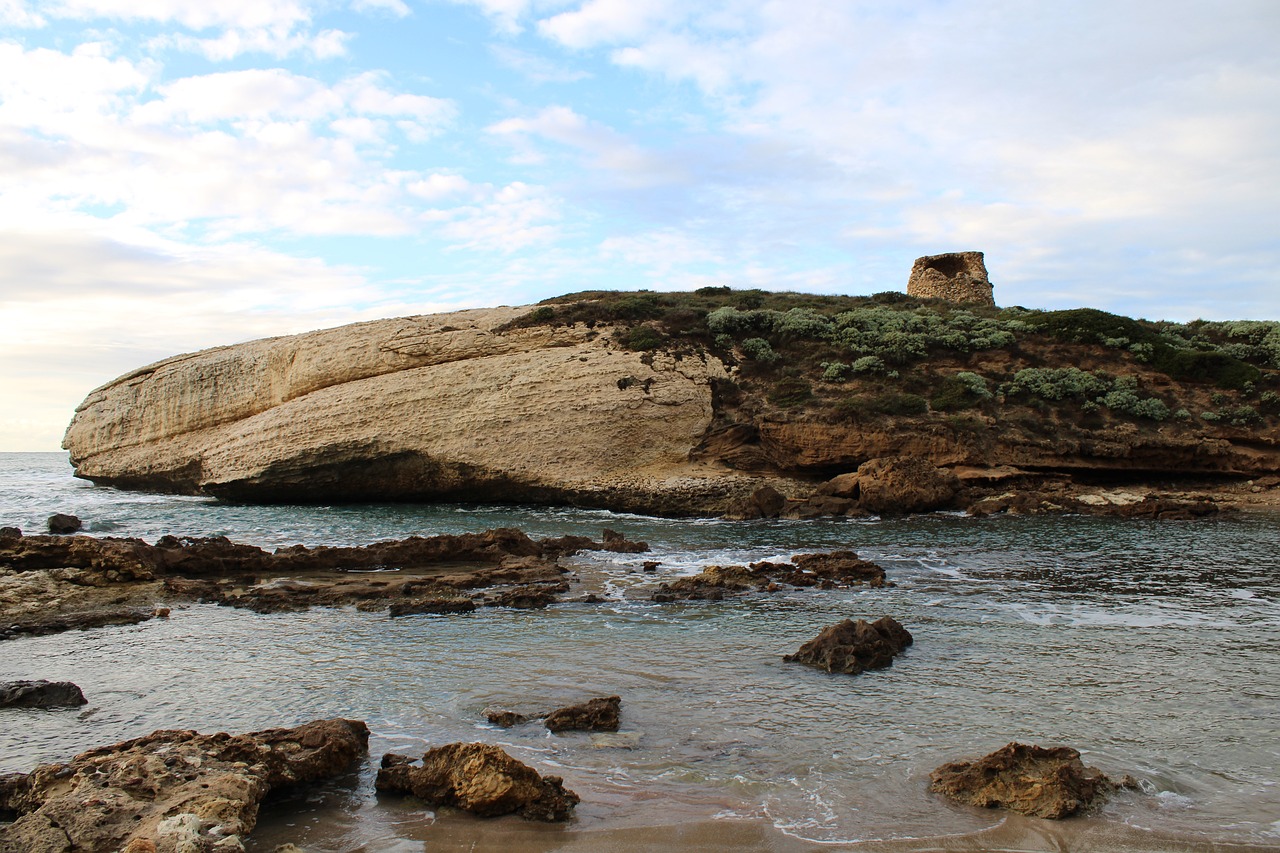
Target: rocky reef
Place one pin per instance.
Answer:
(50, 584)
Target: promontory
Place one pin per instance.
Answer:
(688, 403)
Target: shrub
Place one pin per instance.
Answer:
(868, 364)
(731, 321)
(834, 371)
(758, 349)
(1127, 402)
(542, 314)
(1090, 326)
(1060, 383)
(891, 403)
(643, 337)
(804, 324)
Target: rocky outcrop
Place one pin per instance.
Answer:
(1030, 780)
(170, 791)
(40, 694)
(955, 277)
(594, 715)
(904, 484)
(854, 647)
(480, 779)
(446, 406)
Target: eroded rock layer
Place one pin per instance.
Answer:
(440, 406)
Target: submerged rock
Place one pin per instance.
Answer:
(504, 718)
(854, 647)
(61, 523)
(170, 790)
(480, 779)
(40, 694)
(594, 715)
(1031, 780)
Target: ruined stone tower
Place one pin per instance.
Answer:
(955, 276)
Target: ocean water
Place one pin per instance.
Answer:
(1154, 648)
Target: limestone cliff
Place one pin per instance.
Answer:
(441, 406)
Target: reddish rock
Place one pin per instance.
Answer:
(764, 502)
(480, 779)
(1030, 780)
(854, 647)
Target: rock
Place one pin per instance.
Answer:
(831, 570)
(171, 789)
(841, 486)
(618, 543)
(439, 605)
(594, 715)
(1030, 780)
(62, 524)
(955, 277)
(504, 718)
(480, 779)
(529, 596)
(854, 647)
(903, 484)
(459, 406)
(40, 694)
(10, 533)
(764, 502)
(651, 565)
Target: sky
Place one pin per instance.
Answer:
(180, 174)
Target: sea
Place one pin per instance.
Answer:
(1151, 647)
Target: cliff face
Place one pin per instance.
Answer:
(427, 407)
(555, 405)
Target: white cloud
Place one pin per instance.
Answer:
(238, 151)
(517, 216)
(537, 68)
(16, 14)
(609, 21)
(607, 150)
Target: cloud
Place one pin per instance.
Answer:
(606, 150)
(538, 69)
(231, 152)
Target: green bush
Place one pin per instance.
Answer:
(1056, 383)
(1129, 403)
(868, 364)
(643, 337)
(834, 371)
(758, 349)
(542, 314)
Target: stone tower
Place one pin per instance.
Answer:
(955, 276)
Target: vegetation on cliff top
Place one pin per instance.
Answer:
(890, 354)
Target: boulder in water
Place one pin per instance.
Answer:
(40, 694)
(854, 647)
(1031, 780)
(594, 715)
(61, 524)
(480, 779)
